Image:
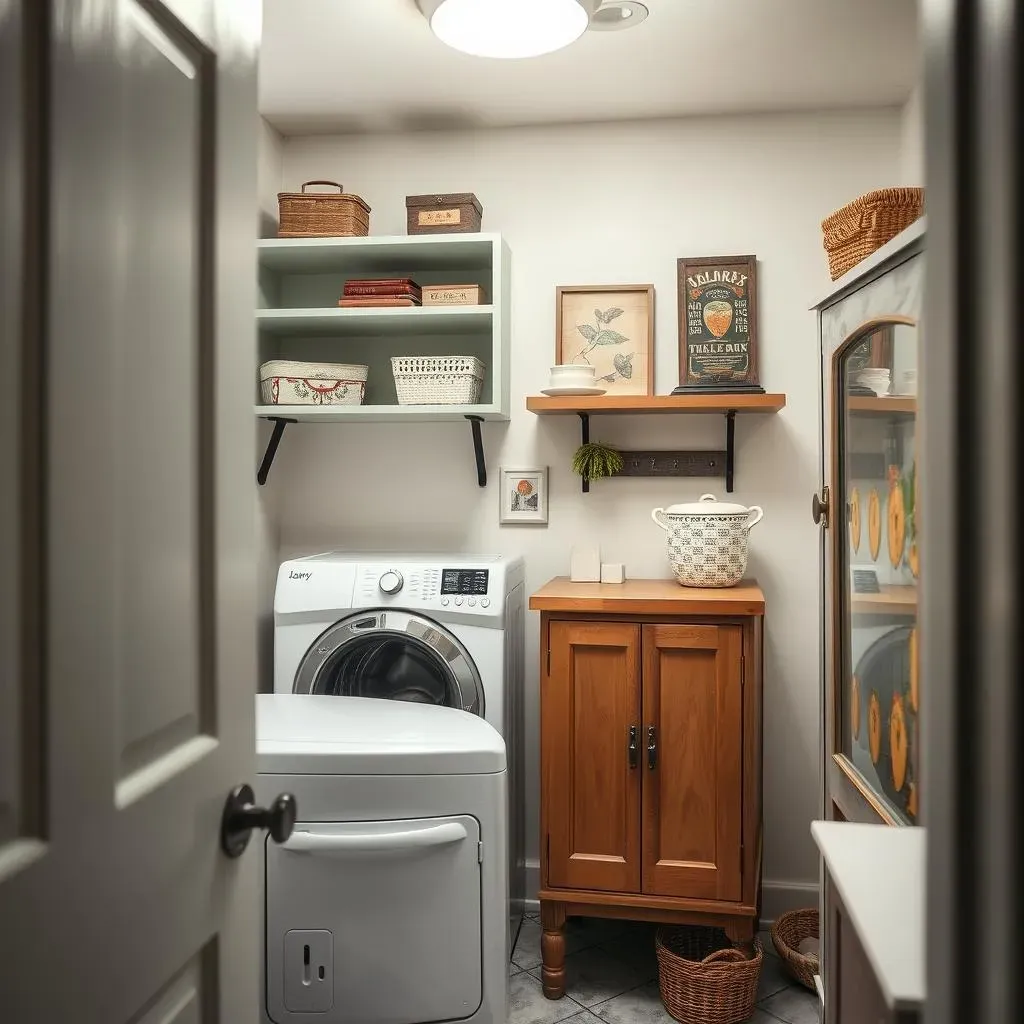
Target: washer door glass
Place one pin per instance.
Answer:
(391, 655)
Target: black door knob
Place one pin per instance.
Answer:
(819, 508)
(241, 816)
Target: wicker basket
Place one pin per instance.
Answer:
(322, 214)
(866, 224)
(704, 979)
(438, 380)
(288, 382)
(787, 934)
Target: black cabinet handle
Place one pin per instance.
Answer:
(241, 816)
(633, 746)
(652, 748)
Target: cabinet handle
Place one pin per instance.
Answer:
(633, 746)
(652, 748)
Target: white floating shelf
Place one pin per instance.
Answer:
(380, 413)
(378, 322)
(379, 253)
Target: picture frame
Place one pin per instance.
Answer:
(717, 308)
(623, 354)
(523, 495)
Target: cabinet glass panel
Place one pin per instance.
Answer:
(877, 564)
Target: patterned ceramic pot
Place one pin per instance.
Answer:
(707, 540)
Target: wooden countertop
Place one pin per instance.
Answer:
(879, 871)
(647, 597)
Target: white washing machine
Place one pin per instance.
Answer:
(387, 905)
(442, 630)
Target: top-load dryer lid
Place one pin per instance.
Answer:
(311, 734)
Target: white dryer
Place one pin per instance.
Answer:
(387, 903)
(445, 630)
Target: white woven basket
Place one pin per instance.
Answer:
(288, 382)
(438, 380)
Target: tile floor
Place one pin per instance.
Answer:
(612, 976)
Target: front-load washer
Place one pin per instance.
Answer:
(443, 630)
(387, 905)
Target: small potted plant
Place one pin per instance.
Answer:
(594, 460)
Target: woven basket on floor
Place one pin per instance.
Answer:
(787, 934)
(322, 214)
(704, 979)
(866, 224)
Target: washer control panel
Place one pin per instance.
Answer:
(467, 589)
(464, 582)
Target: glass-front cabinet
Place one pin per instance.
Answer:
(870, 341)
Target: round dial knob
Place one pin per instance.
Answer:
(391, 582)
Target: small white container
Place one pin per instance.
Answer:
(613, 572)
(438, 380)
(585, 564)
(573, 375)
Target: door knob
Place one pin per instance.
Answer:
(819, 508)
(241, 816)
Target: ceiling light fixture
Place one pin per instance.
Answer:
(617, 15)
(509, 28)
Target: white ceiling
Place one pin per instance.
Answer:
(374, 65)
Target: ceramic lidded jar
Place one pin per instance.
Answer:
(707, 540)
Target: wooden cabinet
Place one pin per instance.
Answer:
(650, 756)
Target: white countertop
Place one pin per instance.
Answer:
(879, 872)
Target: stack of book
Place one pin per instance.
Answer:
(388, 291)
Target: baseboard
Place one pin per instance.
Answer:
(776, 897)
(779, 897)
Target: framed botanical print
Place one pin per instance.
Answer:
(609, 327)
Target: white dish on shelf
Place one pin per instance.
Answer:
(573, 392)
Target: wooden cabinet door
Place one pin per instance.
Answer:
(693, 778)
(590, 700)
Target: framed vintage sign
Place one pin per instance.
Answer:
(609, 327)
(717, 324)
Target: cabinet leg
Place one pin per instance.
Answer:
(741, 930)
(552, 948)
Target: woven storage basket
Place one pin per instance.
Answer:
(787, 934)
(322, 214)
(438, 380)
(704, 979)
(866, 224)
(287, 382)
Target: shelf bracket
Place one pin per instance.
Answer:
(730, 447)
(585, 439)
(280, 422)
(478, 450)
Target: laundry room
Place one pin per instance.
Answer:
(539, 305)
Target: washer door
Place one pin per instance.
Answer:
(392, 655)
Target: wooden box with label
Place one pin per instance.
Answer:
(650, 737)
(456, 212)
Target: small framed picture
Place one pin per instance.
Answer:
(524, 495)
(609, 327)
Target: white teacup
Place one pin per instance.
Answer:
(573, 375)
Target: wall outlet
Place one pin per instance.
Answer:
(308, 971)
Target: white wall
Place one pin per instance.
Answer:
(617, 203)
(912, 139)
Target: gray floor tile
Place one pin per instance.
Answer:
(586, 1017)
(527, 1003)
(513, 968)
(774, 977)
(640, 1006)
(794, 1005)
(762, 1017)
(594, 976)
(527, 951)
(766, 941)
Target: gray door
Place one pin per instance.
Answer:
(127, 141)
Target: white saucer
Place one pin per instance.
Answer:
(572, 392)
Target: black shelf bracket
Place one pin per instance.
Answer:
(730, 448)
(585, 435)
(478, 450)
(280, 422)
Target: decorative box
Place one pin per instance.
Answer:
(453, 295)
(287, 382)
(443, 214)
(322, 214)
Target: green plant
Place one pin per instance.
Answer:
(594, 460)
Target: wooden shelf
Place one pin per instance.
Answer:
(387, 321)
(891, 600)
(888, 405)
(379, 413)
(647, 597)
(601, 405)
